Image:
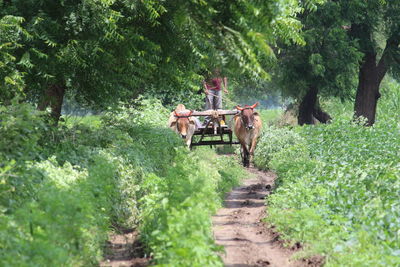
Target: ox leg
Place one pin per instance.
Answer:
(190, 134)
(245, 155)
(190, 143)
(253, 145)
(247, 159)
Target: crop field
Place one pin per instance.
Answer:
(339, 184)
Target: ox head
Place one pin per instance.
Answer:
(247, 115)
(182, 122)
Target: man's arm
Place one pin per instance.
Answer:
(205, 87)
(226, 85)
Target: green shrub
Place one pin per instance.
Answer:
(177, 210)
(67, 219)
(59, 201)
(271, 141)
(21, 128)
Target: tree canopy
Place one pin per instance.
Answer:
(102, 51)
(349, 45)
(328, 61)
(11, 79)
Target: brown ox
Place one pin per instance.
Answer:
(247, 128)
(182, 122)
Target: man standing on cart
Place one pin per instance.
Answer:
(212, 88)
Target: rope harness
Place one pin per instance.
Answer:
(182, 116)
(244, 108)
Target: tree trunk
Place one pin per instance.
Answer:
(310, 111)
(53, 97)
(306, 108)
(370, 77)
(368, 89)
(321, 115)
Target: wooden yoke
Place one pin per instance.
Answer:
(215, 112)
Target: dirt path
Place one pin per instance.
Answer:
(238, 227)
(123, 250)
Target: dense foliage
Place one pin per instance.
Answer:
(100, 51)
(59, 199)
(11, 79)
(328, 61)
(349, 45)
(338, 186)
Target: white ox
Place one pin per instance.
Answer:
(181, 122)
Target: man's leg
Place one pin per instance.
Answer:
(209, 105)
(218, 102)
(218, 99)
(209, 102)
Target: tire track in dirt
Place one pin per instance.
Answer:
(247, 240)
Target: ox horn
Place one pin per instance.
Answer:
(255, 105)
(239, 108)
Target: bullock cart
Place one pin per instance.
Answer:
(213, 133)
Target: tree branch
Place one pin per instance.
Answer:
(387, 57)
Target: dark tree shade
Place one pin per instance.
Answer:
(375, 26)
(326, 65)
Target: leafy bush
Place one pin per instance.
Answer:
(67, 186)
(271, 141)
(67, 219)
(21, 128)
(177, 210)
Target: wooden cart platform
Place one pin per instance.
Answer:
(213, 128)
